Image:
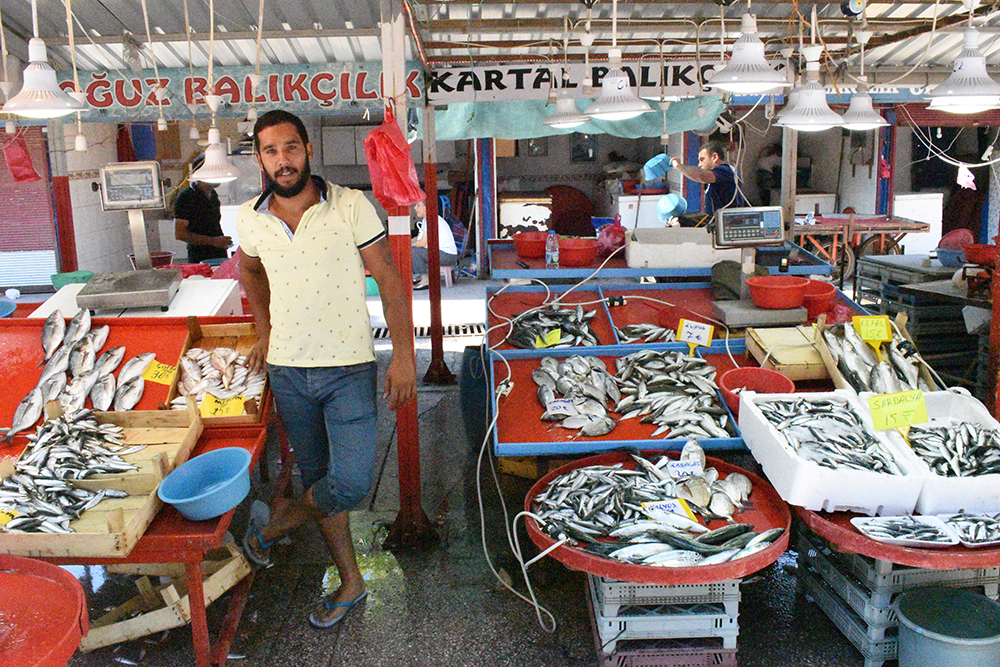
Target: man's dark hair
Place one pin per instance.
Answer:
(714, 147)
(277, 117)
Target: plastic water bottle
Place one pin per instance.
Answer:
(552, 249)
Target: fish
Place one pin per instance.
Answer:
(53, 332)
(102, 395)
(645, 333)
(956, 448)
(78, 327)
(582, 384)
(974, 528)
(52, 386)
(82, 357)
(58, 363)
(26, 414)
(903, 528)
(108, 362)
(128, 394)
(223, 373)
(135, 367)
(573, 323)
(99, 336)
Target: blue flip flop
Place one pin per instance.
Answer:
(260, 516)
(329, 606)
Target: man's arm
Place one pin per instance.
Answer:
(253, 277)
(696, 174)
(401, 375)
(181, 233)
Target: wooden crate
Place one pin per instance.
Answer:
(111, 528)
(167, 606)
(241, 337)
(788, 350)
(531, 467)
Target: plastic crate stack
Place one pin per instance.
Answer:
(647, 625)
(856, 592)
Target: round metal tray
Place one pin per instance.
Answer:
(767, 510)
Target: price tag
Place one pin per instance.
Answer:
(561, 406)
(226, 407)
(694, 333)
(551, 338)
(873, 328)
(672, 506)
(898, 410)
(684, 469)
(6, 514)
(159, 373)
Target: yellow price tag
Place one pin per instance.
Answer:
(224, 407)
(898, 410)
(694, 333)
(873, 328)
(6, 514)
(551, 338)
(159, 373)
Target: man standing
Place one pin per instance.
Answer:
(304, 247)
(197, 220)
(722, 191)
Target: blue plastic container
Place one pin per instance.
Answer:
(7, 307)
(946, 626)
(953, 259)
(208, 485)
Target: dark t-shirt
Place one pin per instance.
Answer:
(204, 215)
(720, 193)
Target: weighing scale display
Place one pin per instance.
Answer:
(131, 185)
(748, 226)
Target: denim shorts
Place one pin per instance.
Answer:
(329, 415)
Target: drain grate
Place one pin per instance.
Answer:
(449, 331)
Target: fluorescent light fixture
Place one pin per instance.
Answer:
(617, 100)
(810, 113)
(747, 72)
(969, 89)
(861, 115)
(40, 95)
(217, 167)
(566, 114)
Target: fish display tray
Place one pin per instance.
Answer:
(112, 527)
(939, 494)
(521, 432)
(814, 487)
(613, 594)
(689, 652)
(868, 526)
(239, 336)
(501, 307)
(662, 622)
(660, 304)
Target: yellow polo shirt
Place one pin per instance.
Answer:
(318, 312)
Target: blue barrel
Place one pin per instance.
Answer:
(474, 395)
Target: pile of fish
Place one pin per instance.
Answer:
(573, 324)
(646, 333)
(608, 511)
(71, 447)
(898, 371)
(221, 372)
(904, 528)
(829, 433)
(75, 369)
(974, 528)
(586, 388)
(956, 448)
(673, 390)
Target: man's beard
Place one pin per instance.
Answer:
(295, 188)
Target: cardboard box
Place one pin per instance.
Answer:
(111, 528)
(505, 147)
(814, 487)
(787, 350)
(674, 247)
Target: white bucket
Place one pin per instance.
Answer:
(947, 626)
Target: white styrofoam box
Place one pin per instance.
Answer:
(814, 487)
(674, 247)
(941, 495)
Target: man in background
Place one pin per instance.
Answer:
(722, 191)
(198, 220)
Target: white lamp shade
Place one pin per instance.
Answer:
(217, 168)
(747, 71)
(790, 102)
(566, 114)
(40, 95)
(617, 100)
(193, 133)
(811, 113)
(969, 89)
(861, 115)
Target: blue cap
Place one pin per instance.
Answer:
(657, 167)
(669, 206)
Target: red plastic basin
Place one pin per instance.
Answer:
(818, 297)
(777, 292)
(530, 245)
(978, 253)
(577, 252)
(761, 380)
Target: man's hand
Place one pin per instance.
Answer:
(400, 382)
(257, 356)
(222, 242)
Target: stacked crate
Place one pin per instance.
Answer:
(649, 625)
(856, 592)
(935, 324)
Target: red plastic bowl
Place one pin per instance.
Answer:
(777, 292)
(818, 297)
(978, 253)
(761, 380)
(577, 252)
(530, 245)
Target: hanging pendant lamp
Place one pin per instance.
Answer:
(566, 114)
(861, 115)
(217, 167)
(810, 113)
(747, 72)
(969, 89)
(617, 100)
(40, 95)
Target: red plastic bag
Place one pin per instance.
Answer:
(15, 152)
(610, 237)
(390, 164)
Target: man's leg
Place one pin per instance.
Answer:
(336, 531)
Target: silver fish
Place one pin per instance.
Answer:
(53, 332)
(128, 394)
(52, 386)
(103, 393)
(27, 413)
(109, 361)
(99, 336)
(82, 357)
(135, 367)
(78, 327)
(58, 363)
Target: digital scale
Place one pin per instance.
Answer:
(748, 228)
(134, 187)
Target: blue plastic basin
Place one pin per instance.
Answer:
(208, 485)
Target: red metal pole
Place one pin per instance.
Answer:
(993, 378)
(437, 372)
